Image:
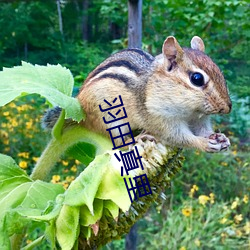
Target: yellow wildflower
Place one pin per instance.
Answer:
(14, 123)
(65, 163)
(77, 162)
(203, 199)
(24, 154)
(193, 190)
(211, 195)
(183, 248)
(29, 124)
(65, 185)
(6, 141)
(6, 113)
(23, 107)
(55, 178)
(223, 235)
(224, 164)
(238, 218)
(245, 199)
(23, 164)
(4, 134)
(70, 178)
(12, 105)
(197, 242)
(235, 203)
(234, 152)
(6, 149)
(187, 211)
(73, 168)
(247, 227)
(223, 220)
(35, 159)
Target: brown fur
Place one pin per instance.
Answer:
(158, 95)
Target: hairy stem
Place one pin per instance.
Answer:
(57, 147)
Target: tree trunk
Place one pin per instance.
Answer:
(59, 16)
(134, 41)
(85, 20)
(135, 23)
(131, 238)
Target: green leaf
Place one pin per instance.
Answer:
(26, 202)
(11, 183)
(14, 198)
(39, 194)
(58, 127)
(9, 168)
(13, 223)
(34, 243)
(53, 82)
(86, 218)
(83, 189)
(47, 216)
(4, 240)
(50, 234)
(112, 187)
(102, 180)
(83, 152)
(67, 226)
(112, 208)
(20, 198)
(86, 232)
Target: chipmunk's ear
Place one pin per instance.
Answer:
(197, 43)
(171, 49)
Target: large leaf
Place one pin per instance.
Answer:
(67, 226)
(21, 197)
(112, 187)
(83, 189)
(53, 82)
(102, 180)
(83, 152)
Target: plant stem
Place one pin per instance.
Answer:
(57, 147)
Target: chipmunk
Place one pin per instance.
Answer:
(170, 96)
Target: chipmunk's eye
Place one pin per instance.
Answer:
(197, 79)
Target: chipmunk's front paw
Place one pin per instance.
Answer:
(218, 142)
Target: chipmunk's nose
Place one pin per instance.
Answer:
(227, 108)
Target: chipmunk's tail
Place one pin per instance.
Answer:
(50, 117)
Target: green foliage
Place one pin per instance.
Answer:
(19, 198)
(223, 25)
(198, 224)
(30, 32)
(52, 82)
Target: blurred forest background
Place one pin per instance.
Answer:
(207, 206)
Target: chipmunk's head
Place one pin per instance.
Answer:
(198, 78)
